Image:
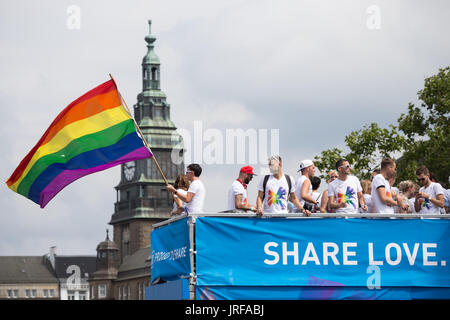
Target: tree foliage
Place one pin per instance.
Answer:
(367, 147)
(421, 136)
(427, 128)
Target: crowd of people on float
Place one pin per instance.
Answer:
(281, 193)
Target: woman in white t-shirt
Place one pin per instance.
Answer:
(366, 186)
(181, 185)
(406, 193)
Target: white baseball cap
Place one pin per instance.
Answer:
(305, 164)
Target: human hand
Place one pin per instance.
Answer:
(423, 195)
(170, 188)
(259, 211)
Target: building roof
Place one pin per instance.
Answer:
(136, 265)
(107, 244)
(26, 269)
(87, 265)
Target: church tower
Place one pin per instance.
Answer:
(142, 199)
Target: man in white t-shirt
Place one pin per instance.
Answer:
(303, 187)
(430, 197)
(384, 198)
(345, 193)
(195, 197)
(237, 194)
(275, 191)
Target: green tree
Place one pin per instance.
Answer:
(427, 129)
(367, 147)
(421, 137)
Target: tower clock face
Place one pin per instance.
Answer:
(128, 170)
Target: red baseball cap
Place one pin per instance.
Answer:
(248, 170)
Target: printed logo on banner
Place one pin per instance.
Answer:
(170, 252)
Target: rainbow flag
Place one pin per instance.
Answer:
(91, 134)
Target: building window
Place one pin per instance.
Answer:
(158, 113)
(27, 293)
(71, 295)
(82, 295)
(124, 293)
(93, 292)
(102, 291)
(9, 293)
(45, 293)
(51, 293)
(33, 293)
(125, 239)
(139, 291)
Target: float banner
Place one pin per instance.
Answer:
(170, 252)
(329, 252)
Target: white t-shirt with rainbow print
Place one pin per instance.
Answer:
(277, 195)
(380, 182)
(346, 191)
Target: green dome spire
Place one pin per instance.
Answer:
(150, 57)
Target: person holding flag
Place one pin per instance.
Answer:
(195, 197)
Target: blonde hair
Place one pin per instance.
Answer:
(366, 184)
(405, 185)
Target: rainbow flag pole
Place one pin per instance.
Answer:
(142, 135)
(93, 133)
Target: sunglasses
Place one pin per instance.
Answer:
(346, 167)
(189, 172)
(421, 179)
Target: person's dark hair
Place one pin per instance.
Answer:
(196, 169)
(377, 171)
(315, 183)
(181, 182)
(386, 162)
(433, 178)
(422, 169)
(340, 162)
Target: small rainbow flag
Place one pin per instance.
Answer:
(91, 134)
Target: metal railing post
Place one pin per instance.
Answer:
(192, 252)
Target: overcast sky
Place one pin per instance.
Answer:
(314, 70)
